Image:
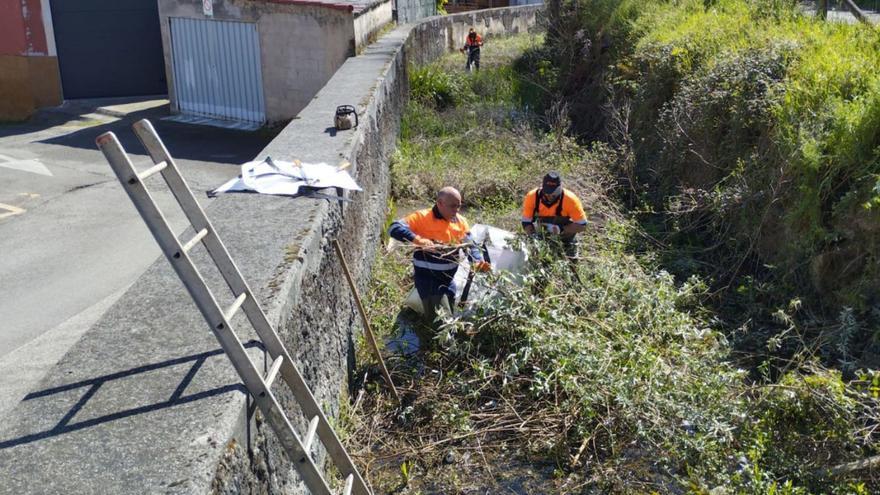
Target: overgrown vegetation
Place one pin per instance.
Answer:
(620, 382)
(750, 137)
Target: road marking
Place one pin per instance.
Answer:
(32, 166)
(13, 210)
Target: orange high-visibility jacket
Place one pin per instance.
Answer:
(429, 224)
(571, 209)
(478, 42)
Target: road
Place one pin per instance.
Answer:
(70, 239)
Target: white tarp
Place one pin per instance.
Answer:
(502, 256)
(286, 178)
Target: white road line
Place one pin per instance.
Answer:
(13, 210)
(33, 166)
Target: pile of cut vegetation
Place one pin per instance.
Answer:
(612, 381)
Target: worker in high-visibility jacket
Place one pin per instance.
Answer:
(555, 213)
(439, 234)
(472, 44)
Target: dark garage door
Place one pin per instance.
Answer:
(109, 47)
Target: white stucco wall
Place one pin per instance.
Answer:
(370, 21)
(301, 46)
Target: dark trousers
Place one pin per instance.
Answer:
(436, 290)
(473, 59)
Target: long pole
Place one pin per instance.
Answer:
(371, 339)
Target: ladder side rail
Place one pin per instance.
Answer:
(201, 294)
(215, 247)
(194, 212)
(227, 267)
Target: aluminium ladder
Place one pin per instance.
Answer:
(258, 385)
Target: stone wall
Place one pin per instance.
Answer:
(145, 402)
(413, 10)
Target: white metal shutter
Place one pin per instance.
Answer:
(217, 70)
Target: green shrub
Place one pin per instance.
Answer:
(431, 86)
(755, 134)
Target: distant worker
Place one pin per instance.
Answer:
(439, 234)
(472, 44)
(553, 212)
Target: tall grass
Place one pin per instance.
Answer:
(755, 133)
(618, 378)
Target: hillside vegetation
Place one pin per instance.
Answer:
(621, 379)
(750, 144)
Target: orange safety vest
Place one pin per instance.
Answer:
(431, 225)
(428, 223)
(566, 210)
(476, 42)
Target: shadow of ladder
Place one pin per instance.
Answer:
(298, 449)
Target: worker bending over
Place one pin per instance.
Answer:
(439, 234)
(555, 213)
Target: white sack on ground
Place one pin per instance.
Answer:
(286, 178)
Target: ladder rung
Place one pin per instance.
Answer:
(255, 381)
(195, 240)
(235, 305)
(310, 435)
(349, 483)
(152, 170)
(273, 370)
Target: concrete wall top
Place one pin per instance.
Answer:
(145, 402)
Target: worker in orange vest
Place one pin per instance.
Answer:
(554, 213)
(439, 234)
(472, 44)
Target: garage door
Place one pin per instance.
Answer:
(217, 71)
(109, 47)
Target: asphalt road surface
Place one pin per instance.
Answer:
(71, 241)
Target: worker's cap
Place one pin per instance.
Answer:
(550, 184)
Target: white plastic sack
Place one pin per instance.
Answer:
(501, 256)
(285, 178)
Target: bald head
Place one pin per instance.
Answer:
(448, 192)
(448, 202)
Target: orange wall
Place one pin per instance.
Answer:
(21, 28)
(29, 79)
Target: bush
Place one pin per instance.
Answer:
(618, 375)
(430, 86)
(755, 132)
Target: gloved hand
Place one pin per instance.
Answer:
(424, 243)
(482, 266)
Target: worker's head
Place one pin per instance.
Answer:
(472, 34)
(448, 202)
(551, 186)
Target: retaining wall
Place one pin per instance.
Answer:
(145, 402)
(413, 10)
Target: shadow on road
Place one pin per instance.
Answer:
(91, 386)
(184, 141)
